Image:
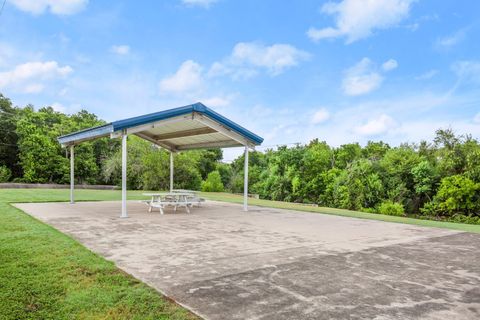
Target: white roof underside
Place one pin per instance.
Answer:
(188, 132)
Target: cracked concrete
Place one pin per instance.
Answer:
(223, 263)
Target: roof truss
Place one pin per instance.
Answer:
(189, 127)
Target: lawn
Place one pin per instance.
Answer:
(45, 274)
(341, 212)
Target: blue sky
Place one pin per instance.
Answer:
(340, 71)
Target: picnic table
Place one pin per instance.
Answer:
(177, 198)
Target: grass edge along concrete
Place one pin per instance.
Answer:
(47, 274)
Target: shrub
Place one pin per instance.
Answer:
(456, 195)
(391, 208)
(430, 209)
(213, 183)
(459, 218)
(368, 210)
(5, 174)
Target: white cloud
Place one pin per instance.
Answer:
(57, 106)
(120, 49)
(413, 27)
(229, 68)
(320, 116)
(276, 58)
(199, 3)
(467, 70)
(389, 65)
(427, 75)
(30, 77)
(361, 78)
(6, 53)
(216, 102)
(421, 20)
(70, 108)
(376, 126)
(451, 40)
(188, 78)
(476, 119)
(63, 92)
(415, 131)
(32, 88)
(356, 20)
(60, 7)
(248, 57)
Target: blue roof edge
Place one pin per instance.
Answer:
(196, 107)
(90, 133)
(151, 117)
(157, 116)
(229, 123)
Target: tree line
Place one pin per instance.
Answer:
(30, 153)
(436, 180)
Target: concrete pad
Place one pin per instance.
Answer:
(223, 263)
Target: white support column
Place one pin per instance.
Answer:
(245, 182)
(171, 171)
(124, 176)
(72, 174)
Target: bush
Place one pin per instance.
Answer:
(368, 210)
(429, 209)
(456, 195)
(459, 218)
(5, 174)
(213, 183)
(391, 208)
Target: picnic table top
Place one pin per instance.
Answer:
(153, 194)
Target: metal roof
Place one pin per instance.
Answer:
(189, 127)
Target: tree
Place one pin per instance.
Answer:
(207, 160)
(213, 183)
(186, 172)
(5, 174)
(346, 154)
(450, 152)
(256, 165)
(471, 150)
(357, 187)
(149, 167)
(8, 136)
(226, 172)
(329, 180)
(375, 150)
(274, 173)
(424, 178)
(317, 158)
(40, 155)
(456, 195)
(136, 158)
(396, 170)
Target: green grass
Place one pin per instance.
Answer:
(341, 212)
(45, 274)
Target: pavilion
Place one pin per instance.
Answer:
(189, 127)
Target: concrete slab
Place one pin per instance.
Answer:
(223, 263)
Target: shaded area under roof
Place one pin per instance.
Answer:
(193, 126)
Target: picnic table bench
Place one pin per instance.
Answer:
(175, 199)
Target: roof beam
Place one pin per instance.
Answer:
(148, 126)
(222, 129)
(164, 145)
(184, 133)
(206, 145)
